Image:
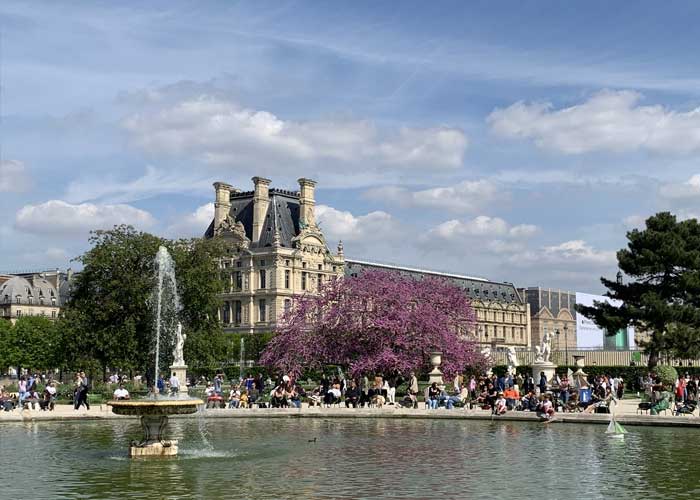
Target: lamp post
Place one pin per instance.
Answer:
(566, 345)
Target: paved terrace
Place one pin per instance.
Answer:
(626, 414)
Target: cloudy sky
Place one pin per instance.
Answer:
(518, 143)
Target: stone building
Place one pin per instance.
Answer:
(553, 311)
(276, 251)
(33, 294)
(502, 316)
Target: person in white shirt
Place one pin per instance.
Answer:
(174, 385)
(121, 393)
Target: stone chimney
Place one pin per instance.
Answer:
(261, 200)
(307, 216)
(222, 204)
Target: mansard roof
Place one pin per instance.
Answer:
(282, 216)
(478, 289)
(20, 288)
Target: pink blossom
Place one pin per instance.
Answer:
(379, 322)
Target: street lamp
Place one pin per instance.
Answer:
(566, 345)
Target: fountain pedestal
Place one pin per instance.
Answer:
(154, 421)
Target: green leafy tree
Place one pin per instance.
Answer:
(661, 295)
(32, 343)
(200, 284)
(109, 319)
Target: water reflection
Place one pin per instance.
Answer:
(351, 458)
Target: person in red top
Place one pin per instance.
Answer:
(512, 397)
(680, 389)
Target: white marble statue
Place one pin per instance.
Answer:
(544, 350)
(486, 351)
(512, 360)
(178, 356)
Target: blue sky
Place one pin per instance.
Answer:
(517, 142)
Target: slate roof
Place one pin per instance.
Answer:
(476, 288)
(282, 215)
(554, 300)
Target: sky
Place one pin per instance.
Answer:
(516, 141)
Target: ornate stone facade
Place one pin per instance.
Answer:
(276, 251)
(502, 316)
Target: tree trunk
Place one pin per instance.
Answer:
(653, 358)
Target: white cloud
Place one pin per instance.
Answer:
(482, 225)
(192, 224)
(634, 221)
(57, 216)
(343, 225)
(466, 196)
(14, 177)
(575, 252)
(222, 132)
(608, 121)
(152, 183)
(686, 191)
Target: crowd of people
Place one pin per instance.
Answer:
(28, 395)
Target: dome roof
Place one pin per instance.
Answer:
(43, 288)
(36, 289)
(16, 286)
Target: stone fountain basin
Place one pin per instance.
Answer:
(155, 407)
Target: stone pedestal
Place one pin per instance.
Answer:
(180, 371)
(153, 444)
(548, 368)
(435, 375)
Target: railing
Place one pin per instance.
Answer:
(592, 356)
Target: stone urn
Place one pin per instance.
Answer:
(579, 361)
(435, 375)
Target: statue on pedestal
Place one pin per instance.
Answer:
(543, 352)
(178, 356)
(512, 361)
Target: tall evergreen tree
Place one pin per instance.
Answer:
(661, 293)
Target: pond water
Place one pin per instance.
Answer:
(351, 458)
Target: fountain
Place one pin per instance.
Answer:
(155, 410)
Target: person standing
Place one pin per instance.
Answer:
(22, 391)
(85, 383)
(413, 384)
(543, 383)
(160, 385)
(174, 385)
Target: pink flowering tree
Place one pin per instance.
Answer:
(381, 322)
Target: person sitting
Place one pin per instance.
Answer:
(352, 395)
(500, 406)
(452, 400)
(315, 398)
(295, 395)
(31, 400)
(120, 393)
(545, 408)
(243, 401)
(512, 397)
(234, 397)
(433, 396)
(279, 397)
(7, 402)
(49, 397)
(332, 396)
